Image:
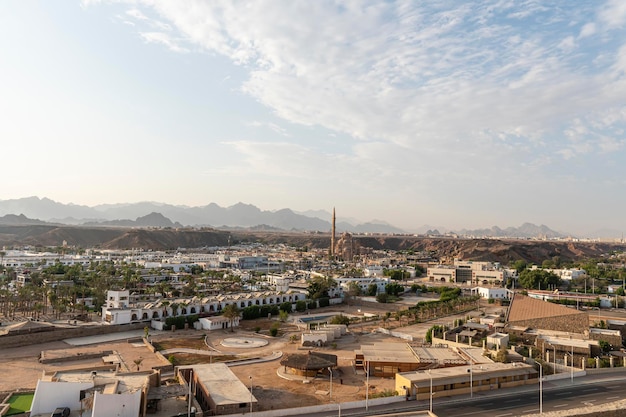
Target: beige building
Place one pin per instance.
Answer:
(217, 389)
(459, 380)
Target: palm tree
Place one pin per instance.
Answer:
(137, 362)
(231, 311)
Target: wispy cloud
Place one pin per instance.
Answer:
(458, 88)
(163, 39)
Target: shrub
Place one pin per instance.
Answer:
(324, 302)
(340, 319)
(286, 307)
(267, 310)
(300, 306)
(251, 312)
(274, 330)
(385, 393)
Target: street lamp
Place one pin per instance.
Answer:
(431, 391)
(571, 364)
(367, 384)
(471, 373)
(250, 393)
(540, 388)
(330, 391)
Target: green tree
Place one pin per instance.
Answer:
(538, 279)
(520, 265)
(340, 319)
(286, 307)
(231, 312)
(501, 355)
(605, 346)
(394, 289)
(283, 315)
(372, 290)
(319, 286)
(274, 329)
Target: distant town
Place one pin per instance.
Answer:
(509, 326)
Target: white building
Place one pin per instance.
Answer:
(373, 271)
(495, 293)
(216, 323)
(565, 274)
(118, 310)
(363, 282)
(101, 393)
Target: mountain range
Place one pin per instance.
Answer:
(35, 210)
(150, 214)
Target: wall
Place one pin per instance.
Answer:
(107, 405)
(65, 333)
(50, 395)
(304, 411)
(399, 335)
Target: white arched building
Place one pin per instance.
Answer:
(118, 310)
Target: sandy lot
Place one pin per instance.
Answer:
(22, 368)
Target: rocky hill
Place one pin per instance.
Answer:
(498, 250)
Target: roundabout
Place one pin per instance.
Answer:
(244, 342)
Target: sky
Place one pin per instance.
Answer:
(452, 114)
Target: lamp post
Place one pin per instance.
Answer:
(471, 373)
(540, 388)
(431, 391)
(367, 384)
(330, 391)
(571, 366)
(250, 393)
(189, 403)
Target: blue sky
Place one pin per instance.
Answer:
(450, 114)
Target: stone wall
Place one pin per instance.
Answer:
(7, 341)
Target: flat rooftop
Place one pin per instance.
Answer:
(222, 384)
(389, 352)
(461, 373)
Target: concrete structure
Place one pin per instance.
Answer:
(332, 236)
(217, 390)
(387, 359)
(497, 341)
(463, 380)
(99, 393)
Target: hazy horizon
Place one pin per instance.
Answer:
(451, 114)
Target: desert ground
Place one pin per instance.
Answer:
(22, 368)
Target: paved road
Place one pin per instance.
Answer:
(592, 390)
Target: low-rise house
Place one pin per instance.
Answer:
(463, 380)
(217, 389)
(99, 393)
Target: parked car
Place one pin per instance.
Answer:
(61, 412)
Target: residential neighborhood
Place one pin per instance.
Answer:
(410, 321)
